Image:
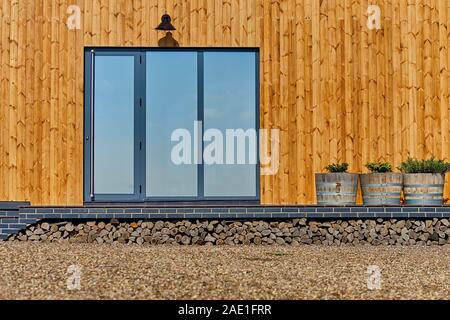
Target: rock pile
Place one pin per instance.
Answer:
(214, 232)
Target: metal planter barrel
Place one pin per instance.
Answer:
(423, 188)
(381, 188)
(336, 189)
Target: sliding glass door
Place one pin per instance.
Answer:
(171, 104)
(171, 125)
(111, 126)
(229, 107)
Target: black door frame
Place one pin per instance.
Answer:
(140, 128)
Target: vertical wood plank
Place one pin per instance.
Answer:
(317, 155)
(29, 95)
(54, 130)
(113, 24)
(37, 104)
(349, 152)
(22, 174)
(13, 99)
(77, 152)
(266, 97)
(275, 95)
(396, 84)
(300, 107)
(104, 22)
(210, 27)
(428, 81)
(218, 25)
(436, 73)
(443, 78)
(62, 109)
(308, 121)
(420, 94)
(3, 148)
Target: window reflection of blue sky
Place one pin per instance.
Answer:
(171, 104)
(114, 124)
(230, 104)
(171, 97)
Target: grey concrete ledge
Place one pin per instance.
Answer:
(237, 212)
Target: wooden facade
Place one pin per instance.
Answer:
(337, 90)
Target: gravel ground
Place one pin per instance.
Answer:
(39, 271)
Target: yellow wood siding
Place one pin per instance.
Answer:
(336, 90)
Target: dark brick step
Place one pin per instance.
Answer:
(18, 226)
(28, 221)
(9, 220)
(10, 231)
(5, 214)
(13, 205)
(13, 224)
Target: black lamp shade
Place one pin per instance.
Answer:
(165, 24)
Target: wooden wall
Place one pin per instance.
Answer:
(337, 90)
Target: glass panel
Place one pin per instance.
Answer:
(171, 104)
(230, 103)
(114, 125)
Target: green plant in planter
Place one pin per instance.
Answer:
(381, 186)
(431, 165)
(379, 167)
(336, 187)
(423, 181)
(337, 167)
